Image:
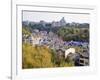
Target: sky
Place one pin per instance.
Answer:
(49, 17)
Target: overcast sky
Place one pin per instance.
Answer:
(49, 17)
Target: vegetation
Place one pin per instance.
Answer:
(41, 57)
(36, 57)
(26, 31)
(69, 32)
(75, 34)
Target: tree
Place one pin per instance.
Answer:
(36, 57)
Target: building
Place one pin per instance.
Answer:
(43, 23)
(82, 59)
(34, 40)
(63, 22)
(60, 23)
(55, 24)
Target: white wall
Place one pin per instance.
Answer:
(5, 35)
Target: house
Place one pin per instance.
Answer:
(55, 24)
(82, 59)
(68, 51)
(43, 33)
(35, 31)
(34, 40)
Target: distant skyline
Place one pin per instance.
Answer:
(49, 17)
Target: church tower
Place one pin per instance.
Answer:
(63, 22)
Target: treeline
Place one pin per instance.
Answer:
(48, 26)
(75, 34)
(41, 27)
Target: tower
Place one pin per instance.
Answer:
(63, 22)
